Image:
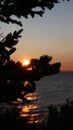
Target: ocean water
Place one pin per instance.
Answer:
(53, 89)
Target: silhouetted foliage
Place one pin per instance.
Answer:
(45, 59)
(23, 8)
(13, 76)
(17, 80)
(60, 117)
(42, 66)
(7, 46)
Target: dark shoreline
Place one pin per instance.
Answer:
(57, 118)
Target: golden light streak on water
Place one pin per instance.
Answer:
(31, 110)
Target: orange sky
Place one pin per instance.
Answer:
(51, 35)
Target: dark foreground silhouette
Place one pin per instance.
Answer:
(59, 118)
(17, 81)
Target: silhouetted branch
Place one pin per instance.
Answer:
(23, 8)
(6, 45)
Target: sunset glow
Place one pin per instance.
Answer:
(25, 62)
(52, 35)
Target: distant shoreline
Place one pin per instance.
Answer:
(66, 71)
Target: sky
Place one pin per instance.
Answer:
(50, 35)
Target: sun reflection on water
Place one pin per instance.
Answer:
(31, 110)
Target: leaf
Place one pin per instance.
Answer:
(12, 50)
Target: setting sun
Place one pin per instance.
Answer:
(26, 62)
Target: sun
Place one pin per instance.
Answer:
(25, 62)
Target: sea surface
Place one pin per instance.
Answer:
(53, 89)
